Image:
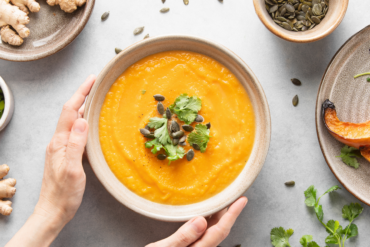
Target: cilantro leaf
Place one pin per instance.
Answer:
(155, 144)
(156, 122)
(331, 239)
(200, 137)
(351, 230)
(186, 108)
(352, 211)
(348, 156)
(280, 237)
(306, 241)
(319, 212)
(310, 195)
(334, 226)
(174, 152)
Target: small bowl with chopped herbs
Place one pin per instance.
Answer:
(179, 126)
(301, 21)
(6, 104)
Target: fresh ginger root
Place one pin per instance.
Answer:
(7, 190)
(13, 16)
(32, 5)
(67, 5)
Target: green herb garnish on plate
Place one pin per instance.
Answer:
(349, 155)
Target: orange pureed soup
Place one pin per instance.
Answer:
(127, 108)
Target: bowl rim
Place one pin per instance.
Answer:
(317, 119)
(240, 62)
(8, 103)
(72, 35)
(277, 30)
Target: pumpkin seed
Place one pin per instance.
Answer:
(161, 156)
(195, 146)
(295, 100)
(175, 142)
(145, 131)
(208, 125)
(188, 128)
(163, 1)
(296, 82)
(147, 127)
(146, 36)
(117, 50)
(105, 16)
(182, 143)
(159, 97)
(190, 155)
(138, 30)
(164, 10)
(168, 113)
(221, 1)
(160, 108)
(199, 119)
(150, 136)
(290, 183)
(287, 26)
(186, 2)
(174, 127)
(315, 19)
(182, 139)
(178, 134)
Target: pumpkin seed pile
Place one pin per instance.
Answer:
(297, 15)
(167, 134)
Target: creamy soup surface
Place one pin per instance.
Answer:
(126, 109)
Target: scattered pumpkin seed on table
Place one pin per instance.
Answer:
(146, 36)
(297, 15)
(138, 30)
(163, 1)
(295, 100)
(117, 50)
(186, 2)
(290, 183)
(296, 82)
(105, 16)
(164, 10)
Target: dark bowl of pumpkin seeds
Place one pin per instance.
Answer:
(301, 21)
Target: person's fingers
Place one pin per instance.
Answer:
(187, 234)
(70, 109)
(77, 141)
(217, 233)
(81, 111)
(214, 219)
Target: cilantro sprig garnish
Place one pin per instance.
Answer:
(2, 103)
(161, 130)
(280, 237)
(186, 108)
(349, 155)
(337, 234)
(200, 137)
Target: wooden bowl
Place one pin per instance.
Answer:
(9, 105)
(51, 30)
(151, 46)
(335, 15)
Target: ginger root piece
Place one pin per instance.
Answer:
(9, 36)
(7, 190)
(67, 5)
(32, 5)
(13, 16)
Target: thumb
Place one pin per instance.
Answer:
(77, 141)
(186, 235)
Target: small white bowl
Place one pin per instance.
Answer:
(9, 105)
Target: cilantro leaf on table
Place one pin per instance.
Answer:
(306, 241)
(186, 108)
(348, 156)
(200, 137)
(351, 212)
(280, 237)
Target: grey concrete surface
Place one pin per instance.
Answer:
(41, 88)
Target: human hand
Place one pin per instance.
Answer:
(199, 232)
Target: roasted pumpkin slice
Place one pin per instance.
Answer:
(355, 135)
(365, 152)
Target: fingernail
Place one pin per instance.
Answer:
(245, 203)
(199, 225)
(79, 126)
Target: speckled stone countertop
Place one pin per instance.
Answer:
(42, 87)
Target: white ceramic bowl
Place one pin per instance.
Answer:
(9, 105)
(151, 46)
